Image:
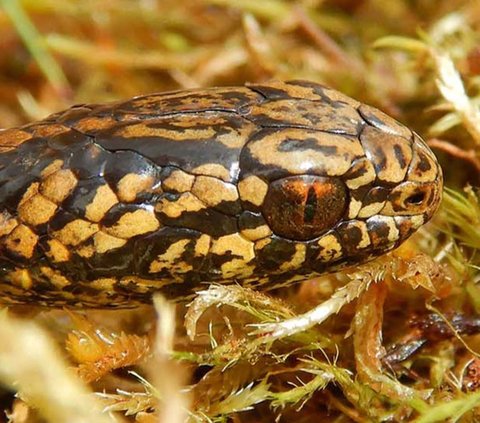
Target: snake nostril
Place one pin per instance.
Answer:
(415, 199)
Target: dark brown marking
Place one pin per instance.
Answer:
(399, 155)
(378, 231)
(351, 237)
(375, 195)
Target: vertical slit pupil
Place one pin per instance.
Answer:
(303, 207)
(310, 205)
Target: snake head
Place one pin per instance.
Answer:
(408, 183)
(419, 194)
(340, 184)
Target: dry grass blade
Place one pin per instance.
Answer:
(260, 50)
(34, 42)
(168, 376)
(451, 87)
(31, 363)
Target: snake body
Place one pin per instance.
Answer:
(264, 185)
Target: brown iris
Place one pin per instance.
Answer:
(303, 207)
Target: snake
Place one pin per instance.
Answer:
(261, 185)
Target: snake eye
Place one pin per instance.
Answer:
(303, 207)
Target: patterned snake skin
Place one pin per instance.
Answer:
(264, 185)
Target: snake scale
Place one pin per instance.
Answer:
(264, 185)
